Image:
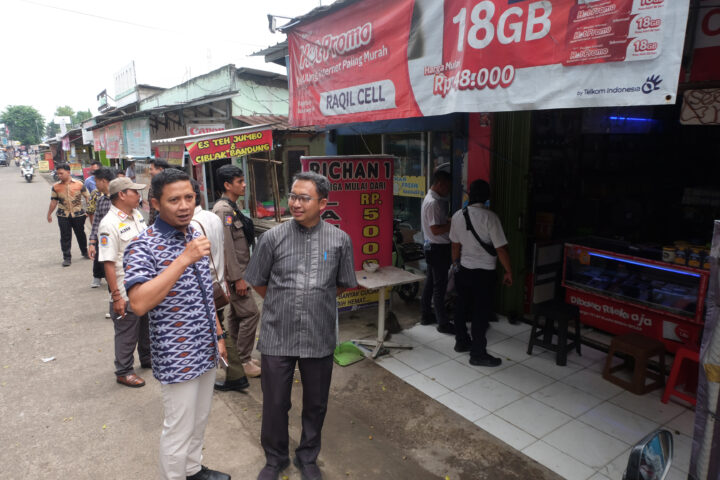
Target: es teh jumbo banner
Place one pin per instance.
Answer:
(207, 149)
(360, 202)
(376, 60)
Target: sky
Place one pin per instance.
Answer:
(65, 53)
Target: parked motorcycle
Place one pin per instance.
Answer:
(28, 171)
(404, 253)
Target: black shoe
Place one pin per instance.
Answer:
(66, 262)
(207, 474)
(237, 385)
(428, 319)
(485, 361)
(86, 256)
(272, 472)
(462, 346)
(447, 327)
(308, 471)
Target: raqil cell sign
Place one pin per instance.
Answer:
(237, 145)
(376, 60)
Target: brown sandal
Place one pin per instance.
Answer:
(131, 380)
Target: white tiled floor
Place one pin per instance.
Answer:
(567, 418)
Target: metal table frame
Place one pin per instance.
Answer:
(380, 280)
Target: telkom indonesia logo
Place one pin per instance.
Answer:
(651, 84)
(335, 45)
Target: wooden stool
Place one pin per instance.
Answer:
(682, 354)
(559, 313)
(641, 349)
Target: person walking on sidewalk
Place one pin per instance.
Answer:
(436, 228)
(157, 165)
(299, 268)
(478, 241)
(90, 182)
(67, 196)
(167, 276)
(121, 224)
(98, 208)
(239, 236)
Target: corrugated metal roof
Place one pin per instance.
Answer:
(279, 122)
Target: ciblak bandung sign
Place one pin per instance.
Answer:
(228, 146)
(375, 59)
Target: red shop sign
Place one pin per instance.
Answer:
(360, 202)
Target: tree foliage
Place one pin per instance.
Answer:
(25, 123)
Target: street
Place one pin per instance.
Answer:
(64, 416)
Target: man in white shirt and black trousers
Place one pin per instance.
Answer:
(436, 228)
(478, 241)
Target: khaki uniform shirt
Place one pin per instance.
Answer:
(237, 250)
(116, 230)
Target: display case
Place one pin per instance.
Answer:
(621, 293)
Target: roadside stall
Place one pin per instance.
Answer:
(245, 146)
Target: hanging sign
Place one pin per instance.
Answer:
(99, 141)
(137, 137)
(114, 140)
(228, 146)
(375, 59)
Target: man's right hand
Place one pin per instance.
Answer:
(196, 249)
(49, 218)
(119, 307)
(91, 251)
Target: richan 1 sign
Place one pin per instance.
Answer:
(375, 59)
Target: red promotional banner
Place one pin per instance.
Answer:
(375, 60)
(360, 202)
(237, 145)
(705, 64)
(99, 142)
(114, 140)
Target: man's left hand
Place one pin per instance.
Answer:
(241, 287)
(507, 279)
(222, 349)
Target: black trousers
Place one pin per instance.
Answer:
(98, 268)
(67, 227)
(276, 381)
(438, 265)
(474, 305)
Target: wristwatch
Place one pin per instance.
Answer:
(223, 336)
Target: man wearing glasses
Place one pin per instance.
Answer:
(299, 268)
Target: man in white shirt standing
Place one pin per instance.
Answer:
(476, 246)
(436, 228)
(117, 228)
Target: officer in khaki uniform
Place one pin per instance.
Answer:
(239, 236)
(117, 228)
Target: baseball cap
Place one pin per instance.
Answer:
(124, 183)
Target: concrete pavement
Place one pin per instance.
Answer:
(67, 418)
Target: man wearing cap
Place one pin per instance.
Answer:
(120, 225)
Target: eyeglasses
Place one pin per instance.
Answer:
(304, 199)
